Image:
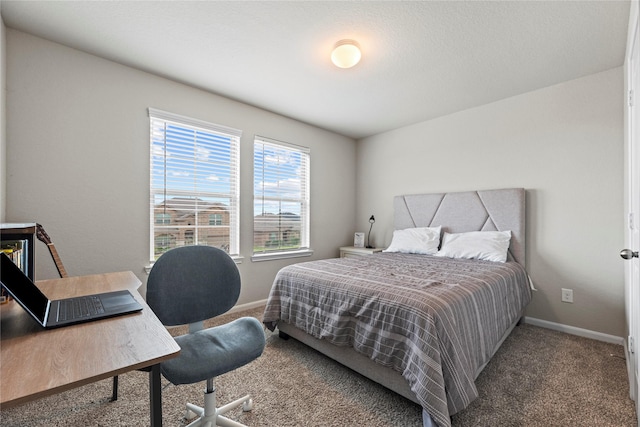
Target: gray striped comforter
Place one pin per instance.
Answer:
(435, 320)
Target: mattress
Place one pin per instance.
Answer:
(434, 320)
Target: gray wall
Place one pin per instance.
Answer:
(564, 144)
(78, 160)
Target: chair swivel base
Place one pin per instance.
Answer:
(210, 416)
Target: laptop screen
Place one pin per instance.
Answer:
(22, 288)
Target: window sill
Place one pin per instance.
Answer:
(281, 255)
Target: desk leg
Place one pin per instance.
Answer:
(155, 396)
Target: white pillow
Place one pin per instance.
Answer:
(421, 240)
(485, 245)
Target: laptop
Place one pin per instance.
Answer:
(63, 312)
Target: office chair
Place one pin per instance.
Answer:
(188, 285)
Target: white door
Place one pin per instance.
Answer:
(632, 202)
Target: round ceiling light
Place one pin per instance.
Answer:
(346, 54)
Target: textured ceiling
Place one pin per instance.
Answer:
(421, 59)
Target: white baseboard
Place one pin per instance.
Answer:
(599, 336)
(248, 306)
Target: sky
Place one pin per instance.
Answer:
(197, 162)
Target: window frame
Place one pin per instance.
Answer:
(304, 247)
(158, 118)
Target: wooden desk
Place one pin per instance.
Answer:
(38, 362)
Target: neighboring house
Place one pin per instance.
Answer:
(176, 219)
(279, 231)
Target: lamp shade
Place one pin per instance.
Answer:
(346, 54)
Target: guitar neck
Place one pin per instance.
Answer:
(44, 238)
(56, 259)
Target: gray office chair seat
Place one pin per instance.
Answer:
(231, 346)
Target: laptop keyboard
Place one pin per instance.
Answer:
(79, 307)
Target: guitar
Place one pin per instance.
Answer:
(44, 238)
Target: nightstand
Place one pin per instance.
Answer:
(349, 251)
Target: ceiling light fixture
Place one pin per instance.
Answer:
(346, 54)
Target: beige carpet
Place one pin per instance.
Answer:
(538, 378)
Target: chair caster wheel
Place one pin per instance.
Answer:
(189, 415)
(247, 405)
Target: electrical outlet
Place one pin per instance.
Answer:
(567, 295)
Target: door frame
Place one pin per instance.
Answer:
(632, 197)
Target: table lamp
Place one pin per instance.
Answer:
(372, 220)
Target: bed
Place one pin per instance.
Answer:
(421, 324)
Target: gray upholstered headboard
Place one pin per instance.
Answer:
(488, 210)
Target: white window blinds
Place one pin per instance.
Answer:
(194, 183)
(281, 196)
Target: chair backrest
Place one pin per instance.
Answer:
(192, 283)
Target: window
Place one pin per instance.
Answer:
(194, 183)
(163, 219)
(215, 219)
(280, 198)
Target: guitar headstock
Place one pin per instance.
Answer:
(42, 235)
